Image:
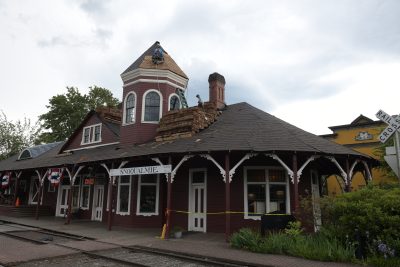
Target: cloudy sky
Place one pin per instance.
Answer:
(312, 63)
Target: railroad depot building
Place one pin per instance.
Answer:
(229, 163)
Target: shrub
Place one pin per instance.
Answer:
(316, 247)
(373, 211)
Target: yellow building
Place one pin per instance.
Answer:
(361, 135)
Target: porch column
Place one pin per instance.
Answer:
(17, 175)
(227, 199)
(110, 197)
(348, 181)
(295, 184)
(169, 199)
(71, 192)
(41, 179)
(72, 176)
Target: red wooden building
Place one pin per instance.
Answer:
(229, 163)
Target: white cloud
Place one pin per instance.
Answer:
(290, 58)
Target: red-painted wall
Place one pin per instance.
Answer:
(138, 132)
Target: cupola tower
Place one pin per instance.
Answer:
(152, 85)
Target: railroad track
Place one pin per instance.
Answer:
(119, 256)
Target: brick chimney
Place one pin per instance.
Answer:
(217, 90)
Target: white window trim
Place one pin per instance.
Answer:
(144, 105)
(81, 196)
(139, 193)
(169, 101)
(124, 213)
(267, 184)
(134, 109)
(91, 134)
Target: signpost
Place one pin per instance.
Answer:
(393, 159)
(141, 170)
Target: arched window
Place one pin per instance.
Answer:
(152, 106)
(25, 154)
(130, 108)
(174, 103)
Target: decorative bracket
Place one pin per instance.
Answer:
(161, 164)
(233, 170)
(352, 169)
(41, 177)
(173, 173)
(300, 171)
(342, 172)
(289, 171)
(221, 170)
(367, 170)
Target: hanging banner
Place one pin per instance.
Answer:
(141, 170)
(55, 176)
(5, 180)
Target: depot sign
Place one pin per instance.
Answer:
(141, 170)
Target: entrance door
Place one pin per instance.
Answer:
(97, 213)
(316, 200)
(198, 200)
(34, 190)
(62, 206)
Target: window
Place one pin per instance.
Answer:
(152, 106)
(25, 155)
(86, 135)
(75, 196)
(147, 200)
(130, 108)
(85, 196)
(96, 133)
(265, 190)
(174, 102)
(124, 195)
(91, 134)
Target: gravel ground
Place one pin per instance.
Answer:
(148, 259)
(71, 261)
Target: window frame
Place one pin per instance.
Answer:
(134, 108)
(139, 191)
(144, 106)
(169, 101)
(267, 184)
(117, 208)
(91, 134)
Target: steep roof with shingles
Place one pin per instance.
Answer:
(145, 62)
(241, 127)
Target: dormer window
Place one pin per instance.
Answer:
(91, 134)
(130, 111)
(174, 102)
(152, 106)
(25, 155)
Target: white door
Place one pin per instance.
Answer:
(34, 190)
(97, 213)
(198, 201)
(316, 200)
(62, 203)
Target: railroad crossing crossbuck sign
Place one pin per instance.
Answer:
(394, 125)
(392, 153)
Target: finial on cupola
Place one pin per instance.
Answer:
(158, 54)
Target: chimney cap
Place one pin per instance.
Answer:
(216, 77)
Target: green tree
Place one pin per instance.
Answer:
(15, 136)
(380, 152)
(66, 111)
